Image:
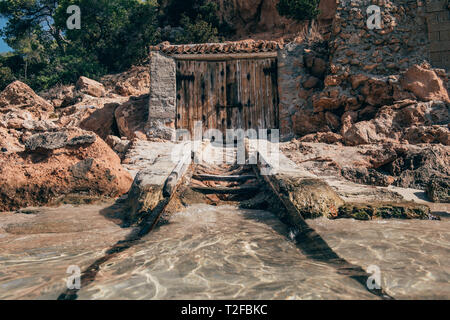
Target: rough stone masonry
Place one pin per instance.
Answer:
(321, 85)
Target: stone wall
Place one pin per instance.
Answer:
(162, 101)
(401, 42)
(366, 71)
(301, 71)
(438, 20)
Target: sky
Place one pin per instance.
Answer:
(3, 46)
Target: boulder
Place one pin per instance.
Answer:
(80, 163)
(133, 82)
(19, 96)
(61, 96)
(311, 82)
(102, 121)
(416, 166)
(312, 198)
(327, 10)
(405, 121)
(424, 83)
(131, 117)
(377, 92)
(90, 87)
(323, 137)
(438, 189)
(319, 68)
(46, 142)
(120, 146)
(306, 122)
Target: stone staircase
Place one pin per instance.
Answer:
(223, 182)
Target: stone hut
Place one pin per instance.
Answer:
(272, 85)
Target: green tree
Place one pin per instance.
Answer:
(27, 17)
(299, 9)
(6, 75)
(198, 20)
(30, 49)
(199, 31)
(117, 32)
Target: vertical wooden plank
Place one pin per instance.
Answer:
(222, 94)
(179, 98)
(265, 111)
(191, 93)
(260, 84)
(245, 94)
(208, 92)
(231, 93)
(235, 109)
(266, 114)
(275, 120)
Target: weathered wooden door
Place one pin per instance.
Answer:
(233, 94)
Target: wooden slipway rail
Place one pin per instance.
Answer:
(298, 192)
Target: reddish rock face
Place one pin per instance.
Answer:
(102, 121)
(131, 117)
(425, 84)
(76, 165)
(90, 87)
(134, 82)
(18, 95)
(256, 18)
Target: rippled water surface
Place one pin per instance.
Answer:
(218, 253)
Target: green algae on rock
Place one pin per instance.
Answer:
(373, 211)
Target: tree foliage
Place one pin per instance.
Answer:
(299, 9)
(114, 35)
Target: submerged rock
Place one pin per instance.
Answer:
(366, 211)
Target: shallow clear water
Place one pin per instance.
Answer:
(218, 253)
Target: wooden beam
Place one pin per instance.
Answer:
(225, 190)
(210, 177)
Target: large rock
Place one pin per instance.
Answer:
(61, 96)
(405, 121)
(9, 142)
(90, 87)
(307, 122)
(311, 198)
(46, 142)
(79, 163)
(438, 189)
(327, 10)
(18, 95)
(131, 117)
(134, 82)
(425, 84)
(415, 167)
(102, 121)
